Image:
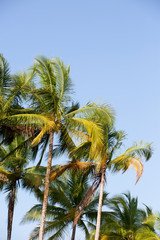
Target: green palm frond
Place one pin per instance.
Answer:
(63, 199)
(34, 214)
(81, 152)
(115, 141)
(36, 120)
(63, 81)
(46, 73)
(23, 86)
(61, 230)
(13, 167)
(65, 144)
(5, 77)
(33, 178)
(83, 226)
(21, 145)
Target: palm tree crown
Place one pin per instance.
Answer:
(65, 195)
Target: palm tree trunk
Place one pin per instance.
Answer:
(73, 231)
(11, 210)
(100, 205)
(46, 191)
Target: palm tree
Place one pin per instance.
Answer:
(12, 90)
(50, 114)
(64, 196)
(112, 141)
(128, 222)
(132, 156)
(14, 170)
(126, 218)
(6, 101)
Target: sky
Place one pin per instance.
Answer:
(113, 49)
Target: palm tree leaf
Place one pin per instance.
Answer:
(123, 162)
(132, 157)
(141, 150)
(37, 120)
(63, 81)
(46, 72)
(73, 165)
(5, 77)
(19, 147)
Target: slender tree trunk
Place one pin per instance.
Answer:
(73, 231)
(11, 210)
(100, 205)
(46, 191)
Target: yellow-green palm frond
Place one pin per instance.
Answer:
(38, 138)
(89, 120)
(94, 112)
(46, 129)
(111, 236)
(144, 150)
(123, 162)
(35, 120)
(152, 221)
(91, 128)
(147, 234)
(7, 104)
(80, 135)
(24, 82)
(132, 157)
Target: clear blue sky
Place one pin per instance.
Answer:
(113, 48)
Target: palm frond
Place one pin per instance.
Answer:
(142, 150)
(63, 81)
(94, 131)
(132, 157)
(5, 77)
(72, 165)
(46, 72)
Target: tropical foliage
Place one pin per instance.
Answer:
(127, 221)
(39, 120)
(112, 141)
(15, 172)
(64, 197)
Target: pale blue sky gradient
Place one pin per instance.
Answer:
(113, 48)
